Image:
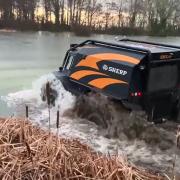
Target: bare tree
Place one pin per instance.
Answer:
(165, 10)
(47, 9)
(91, 9)
(6, 9)
(56, 4)
(135, 6)
(117, 8)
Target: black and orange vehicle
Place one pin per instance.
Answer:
(139, 74)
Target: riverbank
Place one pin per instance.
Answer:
(26, 151)
(86, 31)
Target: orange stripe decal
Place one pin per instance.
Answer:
(92, 60)
(83, 73)
(103, 82)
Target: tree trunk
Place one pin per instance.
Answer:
(62, 12)
(46, 8)
(57, 16)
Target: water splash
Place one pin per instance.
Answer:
(64, 101)
(115, 131)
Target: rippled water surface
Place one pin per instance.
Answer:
(26, 56)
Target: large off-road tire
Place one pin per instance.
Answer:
(176, 111)
(93, 108)
(97, 119)
(178, 116)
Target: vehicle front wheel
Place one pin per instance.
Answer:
(50, 93)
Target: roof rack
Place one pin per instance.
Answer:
(151, 43)
(106, 44)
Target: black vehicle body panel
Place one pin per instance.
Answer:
(131, 71)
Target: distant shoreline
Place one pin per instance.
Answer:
(85, 32)
(151, 18)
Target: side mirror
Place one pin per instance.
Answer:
(60, 68)
(73, 45)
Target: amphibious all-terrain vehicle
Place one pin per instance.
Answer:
(138, 74)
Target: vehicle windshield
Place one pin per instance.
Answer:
(163, 78)
(69, 61)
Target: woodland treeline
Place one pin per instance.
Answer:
(150, 17)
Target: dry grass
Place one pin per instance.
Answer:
(28, 152)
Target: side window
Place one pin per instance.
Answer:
(69, 62)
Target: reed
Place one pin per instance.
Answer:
(48, 97)
(27, 112)
(57, 123)
(57, 120)
(35, 154)
(178, 137)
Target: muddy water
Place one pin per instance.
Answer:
(123, 133)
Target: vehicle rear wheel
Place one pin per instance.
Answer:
(98, 119)
(178, 116)
(176, 111)
(93, 108)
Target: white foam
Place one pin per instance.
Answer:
(64, 101)
(13, 98)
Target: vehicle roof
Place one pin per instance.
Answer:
(95, 49)
(153, 48)
(131, 48)
(101, 52)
